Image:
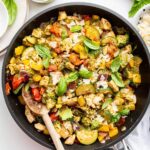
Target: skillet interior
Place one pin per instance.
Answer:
(143, 94)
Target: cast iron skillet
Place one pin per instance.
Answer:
(143, 91)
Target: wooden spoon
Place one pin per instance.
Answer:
(40, 109)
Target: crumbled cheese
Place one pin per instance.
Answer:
(72, 23)
(101, 58)
(144, 27)
(114, 107)
(52, 44)
(93, 100)
(102, 84)
(94, 77)
(106, 57)
(99, 118)
(86, 81)
(97, 99)
(55, 77)
(64, 98)
(75, 37)
(89, 100)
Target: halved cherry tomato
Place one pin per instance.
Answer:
(52, 67)
(16, 81)
(7, 88)
(53, 117)
(36, 94)
(86, 17)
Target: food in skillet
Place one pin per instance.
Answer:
(83, 70)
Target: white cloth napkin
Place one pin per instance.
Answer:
(139, 139)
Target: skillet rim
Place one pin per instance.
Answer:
(111, 143)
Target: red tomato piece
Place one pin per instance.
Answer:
(36, 94)
(16, 81)
(86, 17)
(53, 117)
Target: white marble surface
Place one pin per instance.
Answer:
(11, 136)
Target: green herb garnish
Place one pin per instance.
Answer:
(12, 10)
(137, 5)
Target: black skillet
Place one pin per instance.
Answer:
(142, 92)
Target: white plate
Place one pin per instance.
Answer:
(5, 40)
(42, 1)
(3, 19)
(140, 14)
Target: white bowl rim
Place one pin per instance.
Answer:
(6, 16)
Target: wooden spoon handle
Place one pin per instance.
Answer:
(52, 131)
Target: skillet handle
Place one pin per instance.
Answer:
(124, 146)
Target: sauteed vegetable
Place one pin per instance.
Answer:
(83, 69)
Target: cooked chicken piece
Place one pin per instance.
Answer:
(70, 140)
(40, 127)
(68, 126)
(29, 115)
(113, 86)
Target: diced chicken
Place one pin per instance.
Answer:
(105, 24)
(70, 140)
(44, 81)
(62, 15)
(113, 86)
(40, 127)
(29, 115)
(37, 33)
(64, 133)
(68, 126)
(70, 101)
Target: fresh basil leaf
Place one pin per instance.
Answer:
(73, 76)
(106, 103)
(62, 87)
(76, 28)
(115, 118)
(46, 62)
(43, 51)
(137, 5)
(116, 77)
(116, 63)
(12, 10)
(91, 44)
(84, 73)
(124, 112)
